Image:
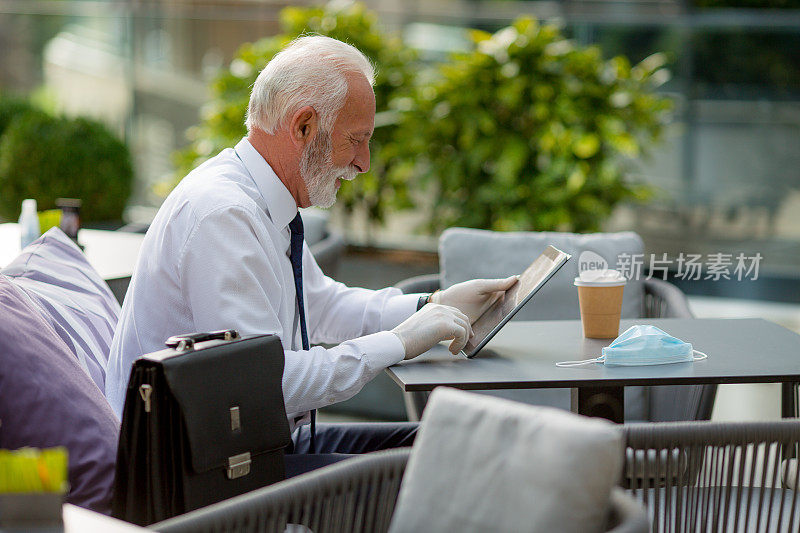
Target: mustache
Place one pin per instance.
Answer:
(347, 173)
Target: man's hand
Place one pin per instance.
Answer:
(432, 324)
(475, 296)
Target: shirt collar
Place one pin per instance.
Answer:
(281, 206)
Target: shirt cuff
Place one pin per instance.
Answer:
(397, 309)
(380, 350)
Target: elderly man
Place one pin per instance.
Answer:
(226, 251)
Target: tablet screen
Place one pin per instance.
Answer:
(530, 281)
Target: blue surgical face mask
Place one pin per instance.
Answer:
(643, 345)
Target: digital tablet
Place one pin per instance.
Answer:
(494, 318)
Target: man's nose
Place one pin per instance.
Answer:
(361, 161)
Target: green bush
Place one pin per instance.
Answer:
(10, 108)
(45, 158)
(223, 120)
(528, 131)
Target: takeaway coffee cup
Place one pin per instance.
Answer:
(600, 298)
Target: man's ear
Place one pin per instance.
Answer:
(303, 125)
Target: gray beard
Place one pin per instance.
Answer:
(318, 171)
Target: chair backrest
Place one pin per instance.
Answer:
(712, 476)
(357, 495)
(488, 464)
(468, 253)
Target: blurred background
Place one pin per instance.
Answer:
(683, 121)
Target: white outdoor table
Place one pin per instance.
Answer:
(112, 253)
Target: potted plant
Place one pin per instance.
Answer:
(529, 131)
(46, 157)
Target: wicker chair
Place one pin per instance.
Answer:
(357, 495)
(690, 476)
(707, 476)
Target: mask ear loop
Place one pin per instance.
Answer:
(564, 364)
(701, 354)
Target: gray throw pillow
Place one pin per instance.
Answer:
(486, 464)
(72, 296)
(468, 254)
(47, 400)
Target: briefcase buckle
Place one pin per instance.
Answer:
(239, 465)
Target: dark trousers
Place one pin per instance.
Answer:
(336, 442)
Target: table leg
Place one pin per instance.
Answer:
(789, 400)
(789, 410)
(601, 402)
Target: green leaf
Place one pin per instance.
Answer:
(625, 143)
(586, 146)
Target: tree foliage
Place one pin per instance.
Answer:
(223, 119)
(46, 157)
(525, 131)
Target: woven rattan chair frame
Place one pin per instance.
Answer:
(357, 495)
(711, 476)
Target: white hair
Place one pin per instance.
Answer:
(310, 71)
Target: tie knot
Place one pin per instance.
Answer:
(296, 225)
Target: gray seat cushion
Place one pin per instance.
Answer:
(466, 254)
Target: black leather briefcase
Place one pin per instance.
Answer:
(204, 420)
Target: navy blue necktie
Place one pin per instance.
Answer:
(296, 257)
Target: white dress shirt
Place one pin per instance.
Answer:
(217, 257)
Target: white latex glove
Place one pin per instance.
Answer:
(475, 296)
(430, 325)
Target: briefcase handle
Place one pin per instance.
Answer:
(187, 341)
